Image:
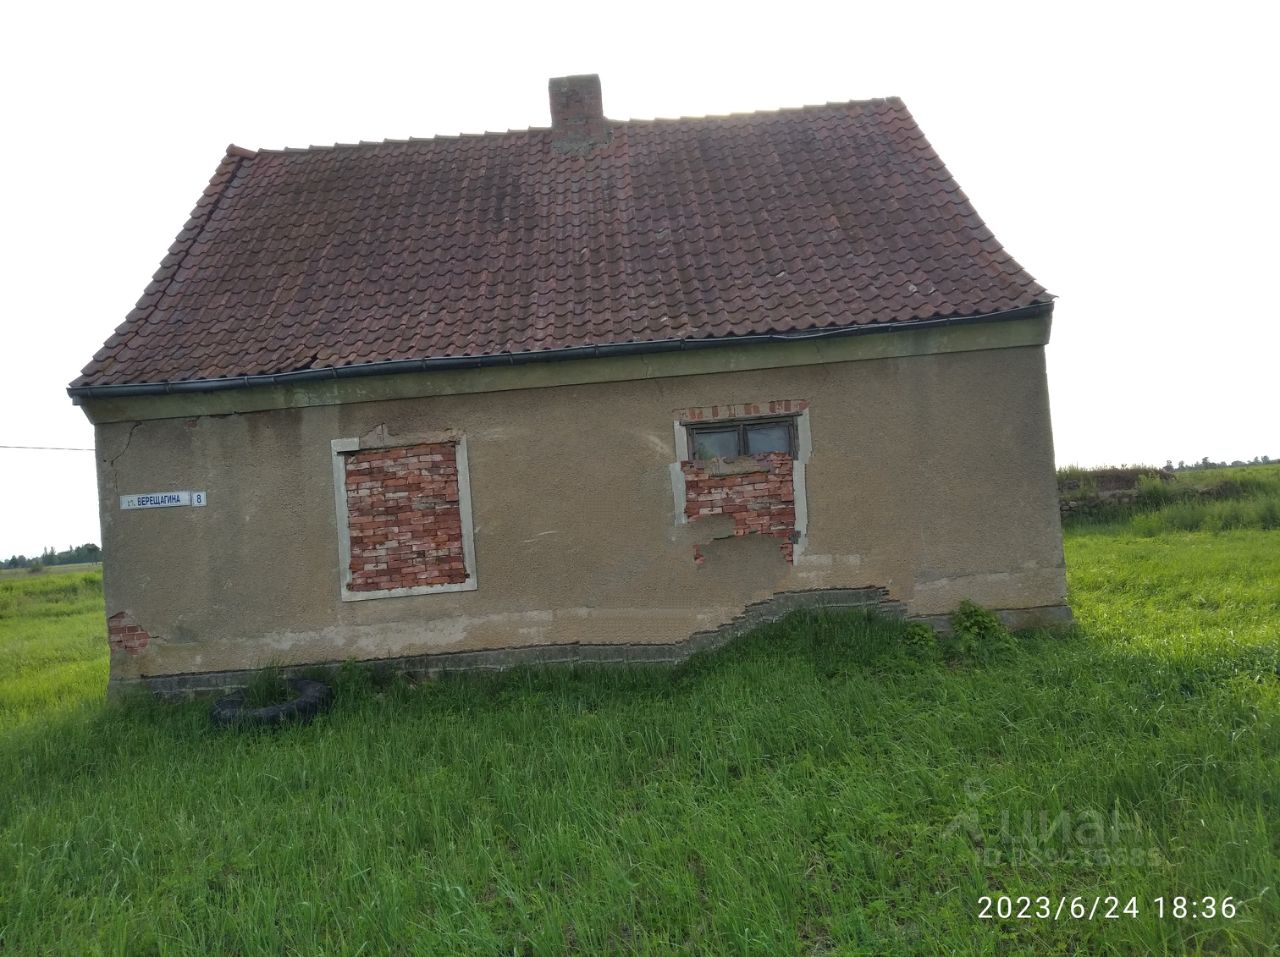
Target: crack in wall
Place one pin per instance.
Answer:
(111, 462)
(128, 440)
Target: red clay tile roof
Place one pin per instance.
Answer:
(804, 219)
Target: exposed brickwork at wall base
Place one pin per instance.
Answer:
(426, 666)
(125, 634)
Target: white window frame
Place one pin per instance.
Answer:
(341, 449)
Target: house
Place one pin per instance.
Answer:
(603, 391)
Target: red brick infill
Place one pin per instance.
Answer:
(756, 491)
(125, 634)
(404, 518)
(741, 410)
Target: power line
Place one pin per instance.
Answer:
(47, 448)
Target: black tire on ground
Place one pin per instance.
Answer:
(310, 698)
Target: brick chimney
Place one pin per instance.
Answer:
(577, 114)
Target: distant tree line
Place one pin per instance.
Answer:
(1204, 463)
(72, 556)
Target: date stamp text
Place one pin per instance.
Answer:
(1098, 907)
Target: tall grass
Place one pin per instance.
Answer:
(819, 788)
(53, 643)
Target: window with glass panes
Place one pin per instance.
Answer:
(730, 440)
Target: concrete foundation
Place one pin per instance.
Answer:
(422, 667)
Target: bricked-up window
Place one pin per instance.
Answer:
(407, 517)
(746, 470)
(745, 460)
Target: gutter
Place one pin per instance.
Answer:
(442, 363)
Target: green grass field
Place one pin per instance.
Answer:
(49, 570)
(821, 788)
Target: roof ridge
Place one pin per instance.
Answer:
(779, 111)
(634, 121)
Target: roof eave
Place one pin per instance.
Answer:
(390, 367)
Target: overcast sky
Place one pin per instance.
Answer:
(1123, 153)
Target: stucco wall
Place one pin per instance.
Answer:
(930, 475)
